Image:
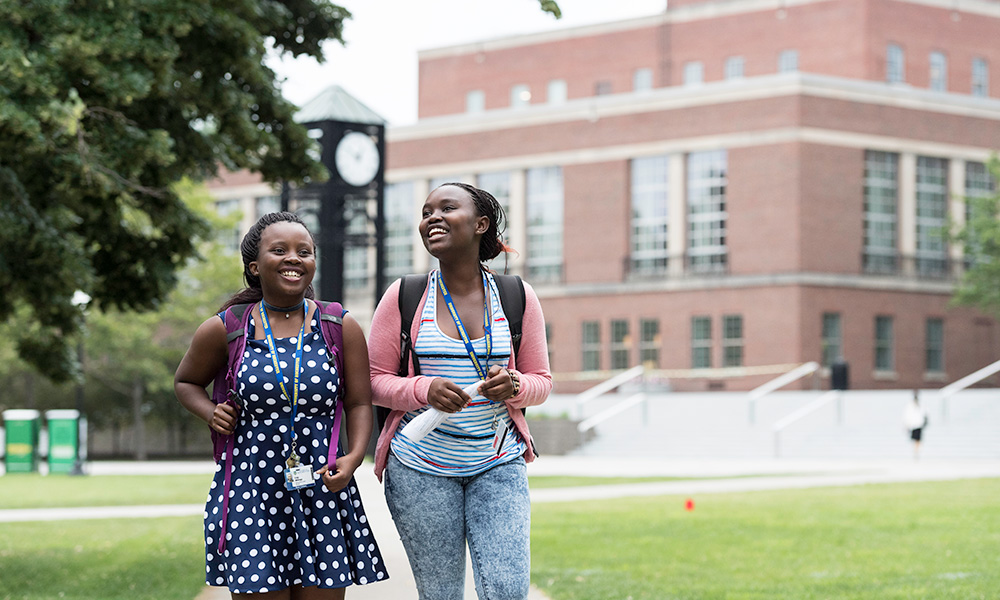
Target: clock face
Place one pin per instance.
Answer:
(357, 158)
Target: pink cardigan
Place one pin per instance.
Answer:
(403, 394)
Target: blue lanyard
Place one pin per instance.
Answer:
(294, 396)
(461, 328)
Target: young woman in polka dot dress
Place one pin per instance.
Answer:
(310, 542)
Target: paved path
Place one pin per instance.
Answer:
(726, 476)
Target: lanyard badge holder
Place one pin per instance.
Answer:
(500, 429)
(297, 475)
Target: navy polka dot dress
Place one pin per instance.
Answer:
(277, 538)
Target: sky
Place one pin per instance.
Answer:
(378, 66)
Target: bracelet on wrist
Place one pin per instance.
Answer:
(515, 382)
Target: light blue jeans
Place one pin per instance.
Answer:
(436, 516)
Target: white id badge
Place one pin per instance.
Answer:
(299, 477)
(501, 436)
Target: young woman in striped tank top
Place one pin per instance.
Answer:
(465, 482)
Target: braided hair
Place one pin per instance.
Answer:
(491, 244)
(250, 250)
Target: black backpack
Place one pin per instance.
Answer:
(411, 290)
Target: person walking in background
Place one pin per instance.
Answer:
(465, 482)
(279, 521)
(915, 420)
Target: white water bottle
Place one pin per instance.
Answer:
(431, 419)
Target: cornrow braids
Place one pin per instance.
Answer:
(250, 249)
(491, 244)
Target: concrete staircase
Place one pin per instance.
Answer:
(863, 424)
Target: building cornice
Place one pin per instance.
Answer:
(592, 109)
(719, 282)
(682, 14)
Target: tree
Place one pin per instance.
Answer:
(106, 103)
(133, 355)
(980, 284)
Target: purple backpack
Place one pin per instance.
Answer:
(237, 317)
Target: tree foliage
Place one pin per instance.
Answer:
(980, 284)
(103, 105)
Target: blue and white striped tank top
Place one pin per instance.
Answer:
(464, 444)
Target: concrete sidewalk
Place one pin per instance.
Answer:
(732, 475)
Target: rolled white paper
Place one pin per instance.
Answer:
(430, 419)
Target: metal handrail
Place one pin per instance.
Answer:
(605, 386)
(957, 386)
(783, 423)
(778, 382)
(588, 424)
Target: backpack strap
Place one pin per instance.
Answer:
(331, 315)
(236, 318)
(511, 289)
(411, 290)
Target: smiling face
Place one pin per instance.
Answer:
(450, 222)
(286, 262)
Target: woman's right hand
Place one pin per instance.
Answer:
(224, 419)
(446, 396)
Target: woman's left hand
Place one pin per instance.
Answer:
(499, 386)
(339, 479)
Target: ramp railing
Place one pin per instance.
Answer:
(778, 382)
(971, 379)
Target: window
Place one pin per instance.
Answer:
(356, 257)
(591, 346)
(979, 184)
(980, 77)
(895, 67)
(734, 67)
(544, 200)
(883, 344)
(475, 101)
(650, 194)
(694, 73)
(881, 192)
(732, 341)
(520, 95)
(701, 342)
(399, 222)
(649, 343)
(934, 345)
(642, 80)
(497, 184)
(932, 215)
(706, 205)
(556, 91)
(620, 345)
(267, 204)
(602, 88)
(230, 237)
(832, 339)
(788, 61)
(939, 72)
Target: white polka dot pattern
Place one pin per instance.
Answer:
(274, 538)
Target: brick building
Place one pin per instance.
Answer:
(732, 186)
(729, 184)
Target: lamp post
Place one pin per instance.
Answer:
(80, 299)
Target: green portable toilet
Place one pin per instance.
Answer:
(64, 439)
(22, 428)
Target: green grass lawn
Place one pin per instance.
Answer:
(128, 559)
(924, 540)
(921, 540)
(30, 490)
(57, 491)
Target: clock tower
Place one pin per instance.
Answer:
(345, 211)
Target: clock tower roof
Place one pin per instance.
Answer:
(335, 104)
